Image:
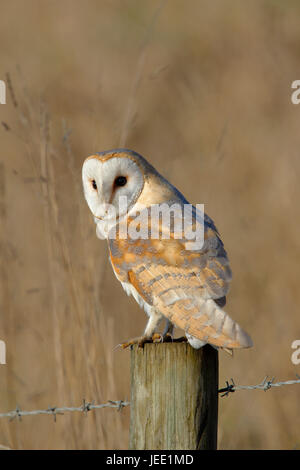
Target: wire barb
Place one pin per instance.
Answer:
(230, 388)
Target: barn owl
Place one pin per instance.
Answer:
(186, 287)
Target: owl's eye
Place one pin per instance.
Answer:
(120, 181)
(94, 184)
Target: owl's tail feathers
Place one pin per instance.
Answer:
(230, 329)
(211, 324)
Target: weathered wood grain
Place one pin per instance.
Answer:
(174, 397)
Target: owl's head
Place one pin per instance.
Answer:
(110, 175)
(119, 182)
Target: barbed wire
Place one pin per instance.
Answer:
(265, 385)
(84, 408)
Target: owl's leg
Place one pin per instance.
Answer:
(153, 322)
(169, 328)
(167, 336)
(149, 335)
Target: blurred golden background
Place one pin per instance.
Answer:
(201, 89)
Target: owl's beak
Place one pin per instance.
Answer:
(104, 211)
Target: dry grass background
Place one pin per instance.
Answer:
(203, 92)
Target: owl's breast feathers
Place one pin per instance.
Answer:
(187, 287)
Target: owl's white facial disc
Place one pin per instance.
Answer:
(105, 181)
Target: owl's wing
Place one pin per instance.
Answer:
(187, 287)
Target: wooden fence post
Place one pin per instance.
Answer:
(174, 397)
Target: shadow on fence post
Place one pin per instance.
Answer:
(174, 397)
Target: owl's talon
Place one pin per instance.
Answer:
(140, 341)
(130, 343)
(143, 340)
(181, 339)
(157, 338)
(167, 338)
